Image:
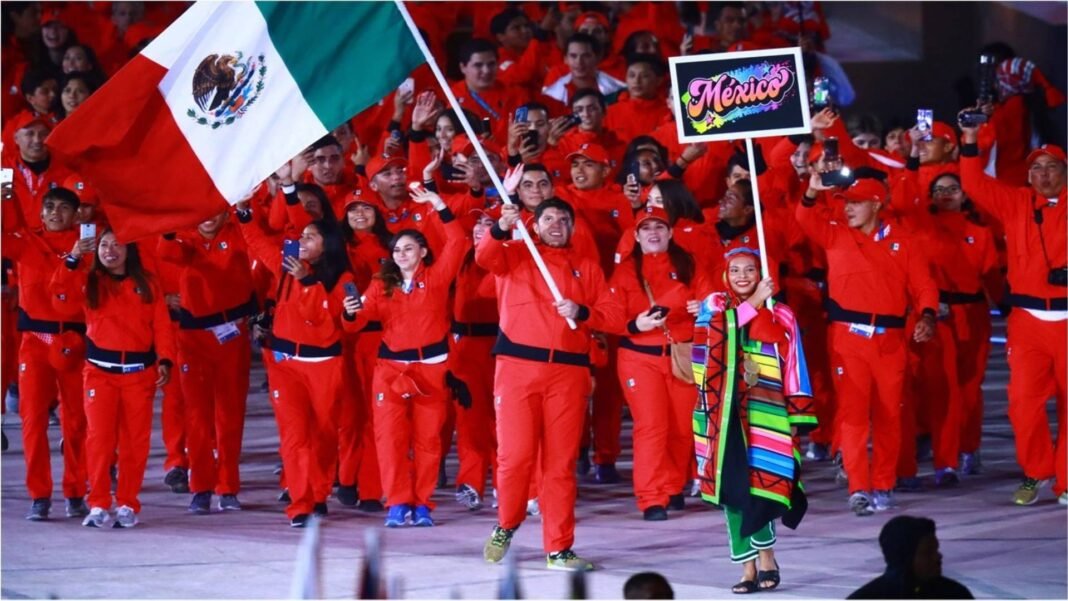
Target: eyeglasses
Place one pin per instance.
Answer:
(943, 190)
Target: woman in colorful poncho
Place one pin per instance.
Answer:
(753, 395)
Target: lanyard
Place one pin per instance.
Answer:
(482, 103)
(33, 184)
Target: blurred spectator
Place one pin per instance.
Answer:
(581, 55)
(74, 88)
(913, 564)
(647, 585)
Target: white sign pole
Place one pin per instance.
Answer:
(524, 235)
(758, 213)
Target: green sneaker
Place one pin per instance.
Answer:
(1027, 494)
(498, 543)
(567, 560)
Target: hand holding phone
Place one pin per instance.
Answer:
(291, 248)
(658, 311)
(351, 290)
(87, 231)
(925, 122)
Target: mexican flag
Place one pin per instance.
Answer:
(222, 98)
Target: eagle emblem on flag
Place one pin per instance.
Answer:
(225, 86)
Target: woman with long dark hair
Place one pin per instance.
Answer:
(753, 395)
(655, 282)
(129, 352)
(946, 390)
(688, 227)
(410, 297)
(359, 479)
(305, 341)
(474, 331)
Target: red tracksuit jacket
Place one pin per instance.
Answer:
(883, 277)
(420, 317)
(528, 313)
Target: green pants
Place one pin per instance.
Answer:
(745, 549)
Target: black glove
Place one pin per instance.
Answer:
(459, 389)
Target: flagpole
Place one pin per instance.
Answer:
(758, 213)
(455, 104)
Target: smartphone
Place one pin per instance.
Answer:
(821, 93)
(635, 168)
(88, 230)
(830, 149)
(658, 311)
(925, 121)
(529, 137)
(351, 290)
(7, 176)
(450, 173)
(573, 120)
(521, 114)
(407, 86)
(291, 248)
(486, 127)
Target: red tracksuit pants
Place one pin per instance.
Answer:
(118, 408)
(9, 349)
(607, 414)
(172, 422)
(937, 397)
(408, 430)
(1037, 356)
(806, 299)
(214, 379)
(39, 383)
(305, 397)
(973, 351)
(350, 419)
(476, 430)
(368, 473)
(539, 406)
(662, 408)
(869, 378)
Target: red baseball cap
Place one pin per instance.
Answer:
(381, 162)
(86, 195)
(27, 118)
(54, 13)
(1050, 149)
(940, 129)
(358, 197)
(866, 189)
(493, 212)
(461, 144)
(591, 16)
(649, 212)
(593, 152)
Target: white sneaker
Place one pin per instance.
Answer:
(467, 496)
(97, 518)
(125, 517)
(533, 508)
(1063, 499)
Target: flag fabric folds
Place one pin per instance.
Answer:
(222, 98)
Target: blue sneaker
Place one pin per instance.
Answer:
(397, 516)
(421, 517)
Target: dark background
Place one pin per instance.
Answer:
(945, 38)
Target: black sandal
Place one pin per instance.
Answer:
(746, 587)
(771, 576)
